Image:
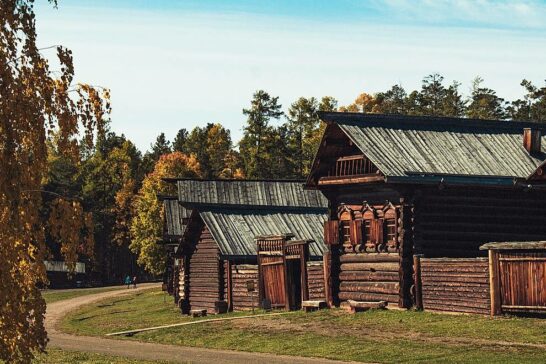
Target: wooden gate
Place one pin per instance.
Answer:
(274, 280)
(522, 278)
(517, 277)
(282, 273)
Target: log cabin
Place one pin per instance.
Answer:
(216, 266)
(175, 219)
(437, 188)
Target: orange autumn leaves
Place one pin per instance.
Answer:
(36, 100)
(72, 228)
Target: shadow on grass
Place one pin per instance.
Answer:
(80, 319)
(114, 302)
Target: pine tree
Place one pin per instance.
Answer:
(453, 104)
(392, 101)
(160, 147)
(179, 143)
(484, 103)
(254, 145)
(302, 124)
(431, 98)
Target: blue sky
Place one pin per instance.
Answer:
(174, 64)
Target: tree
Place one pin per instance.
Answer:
(432, 95)
(196, 144)
(453, 103)
(218, 148)
(328, 104)
(147, 224)
(392, 101)
(211, 145)
(484, 103)
(104, 175)
(302, 125)
(233, 166)
(34, 102)
(263, 108)
(160, 147)
(532, 107)
(364, 103)
(179, 143)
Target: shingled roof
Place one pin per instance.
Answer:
(236, 211)
(249, 193)
(234, 230)
(175, 215)
(406, 146)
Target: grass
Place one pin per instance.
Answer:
(71, 357)
(373, 336)
(54, 295)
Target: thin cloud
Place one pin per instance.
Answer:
(476, 13)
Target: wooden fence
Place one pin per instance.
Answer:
(452, 284)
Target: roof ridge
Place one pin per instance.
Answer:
(383, 119)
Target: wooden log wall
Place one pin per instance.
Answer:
(315, 280)
(240, 274)
(205, 278)
(455, 285)
(181, 283)
(455, 222)
(369, 277)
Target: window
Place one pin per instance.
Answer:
(391, 228)
(346, 232)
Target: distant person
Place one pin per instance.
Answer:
(128, 281)
(134, 282)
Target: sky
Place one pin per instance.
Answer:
(181, 64)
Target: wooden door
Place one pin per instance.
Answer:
(274, 280)
(522, 276)
(293, 271)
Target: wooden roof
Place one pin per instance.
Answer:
(175, 214)
(236, 211)
(235, 230)
(249, 193)
(516, 245)
(416, 148)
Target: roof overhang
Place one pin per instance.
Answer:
(516, 245)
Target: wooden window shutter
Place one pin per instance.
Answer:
(356, 232)
(331, 232)
(377, 231)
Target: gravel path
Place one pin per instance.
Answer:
(149, 351)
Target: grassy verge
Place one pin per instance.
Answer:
(54, 295)
(374, 336)
(70, 357)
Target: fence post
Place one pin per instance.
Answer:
(327, 267)
(417, 281)
(494, 286)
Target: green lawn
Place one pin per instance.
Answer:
(54, 295)
(374, 336)
(70, 357)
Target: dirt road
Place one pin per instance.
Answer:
(149, 351)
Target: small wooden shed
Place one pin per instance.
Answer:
(517, 272)
(218, 255)
(282, 270)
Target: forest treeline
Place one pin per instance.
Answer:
(118, 183)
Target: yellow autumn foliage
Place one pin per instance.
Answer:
(147, 224)
(34, 102)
